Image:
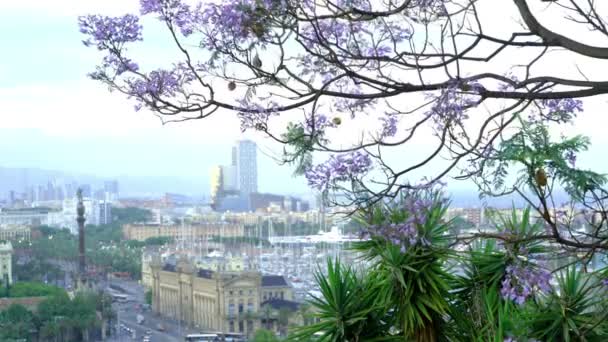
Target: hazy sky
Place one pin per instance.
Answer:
(54, 117)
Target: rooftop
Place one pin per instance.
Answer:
(202, 273)
(278, 304)
(273, 280)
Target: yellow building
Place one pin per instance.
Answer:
(213, 301)
(6, 265)
(141, 232)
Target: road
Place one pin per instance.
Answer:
(127, 315)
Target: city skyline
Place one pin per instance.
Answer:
(101, 135)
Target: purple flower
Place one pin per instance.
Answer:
(120, 65)
(427, 10)
(338, 168)
(317, 123)
(389, 125)
(561, 110)
(451, 104)
(405, 234)
(174, 12)
(522, 281)
(110, 32)
(159, 83)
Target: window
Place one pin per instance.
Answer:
(250, 292)
(281, 294)
(231, 326)
(230, 293)
(249, 326)
(231, 309)
(240, 292)
(250, 306)
(241, 326)
(241, 308)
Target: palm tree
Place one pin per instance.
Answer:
(576, 313)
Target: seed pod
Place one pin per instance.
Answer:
(541, 178)
(231, 85)
(258, 29)
(337, 121)
(257, 62)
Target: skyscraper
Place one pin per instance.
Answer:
(111, 187)
(245, 153)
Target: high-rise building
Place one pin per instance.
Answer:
(111, 187)
(105, 212)
(234, 154)
(245, 153)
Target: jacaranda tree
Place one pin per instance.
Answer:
(489, 80)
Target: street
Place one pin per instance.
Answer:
(127, 315)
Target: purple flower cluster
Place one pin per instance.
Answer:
(404, 234)
(389, 125)
(120, 65)
(318, 123)
(561, 110)
(338, 168)
(426, 10)
(524, 281)
(237, 21)
(451, 104)
(353, 106)
(174, 12)
(363, 44)
(110, 32)
(159, 83)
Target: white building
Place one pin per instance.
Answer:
(26, 216)
(6, 268)
(66, 218)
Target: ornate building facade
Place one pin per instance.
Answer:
(213, 301)
(142, 232)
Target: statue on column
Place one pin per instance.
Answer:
(80, 219)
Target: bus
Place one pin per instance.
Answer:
(120, 298)
(203, 338)
(216, 337)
